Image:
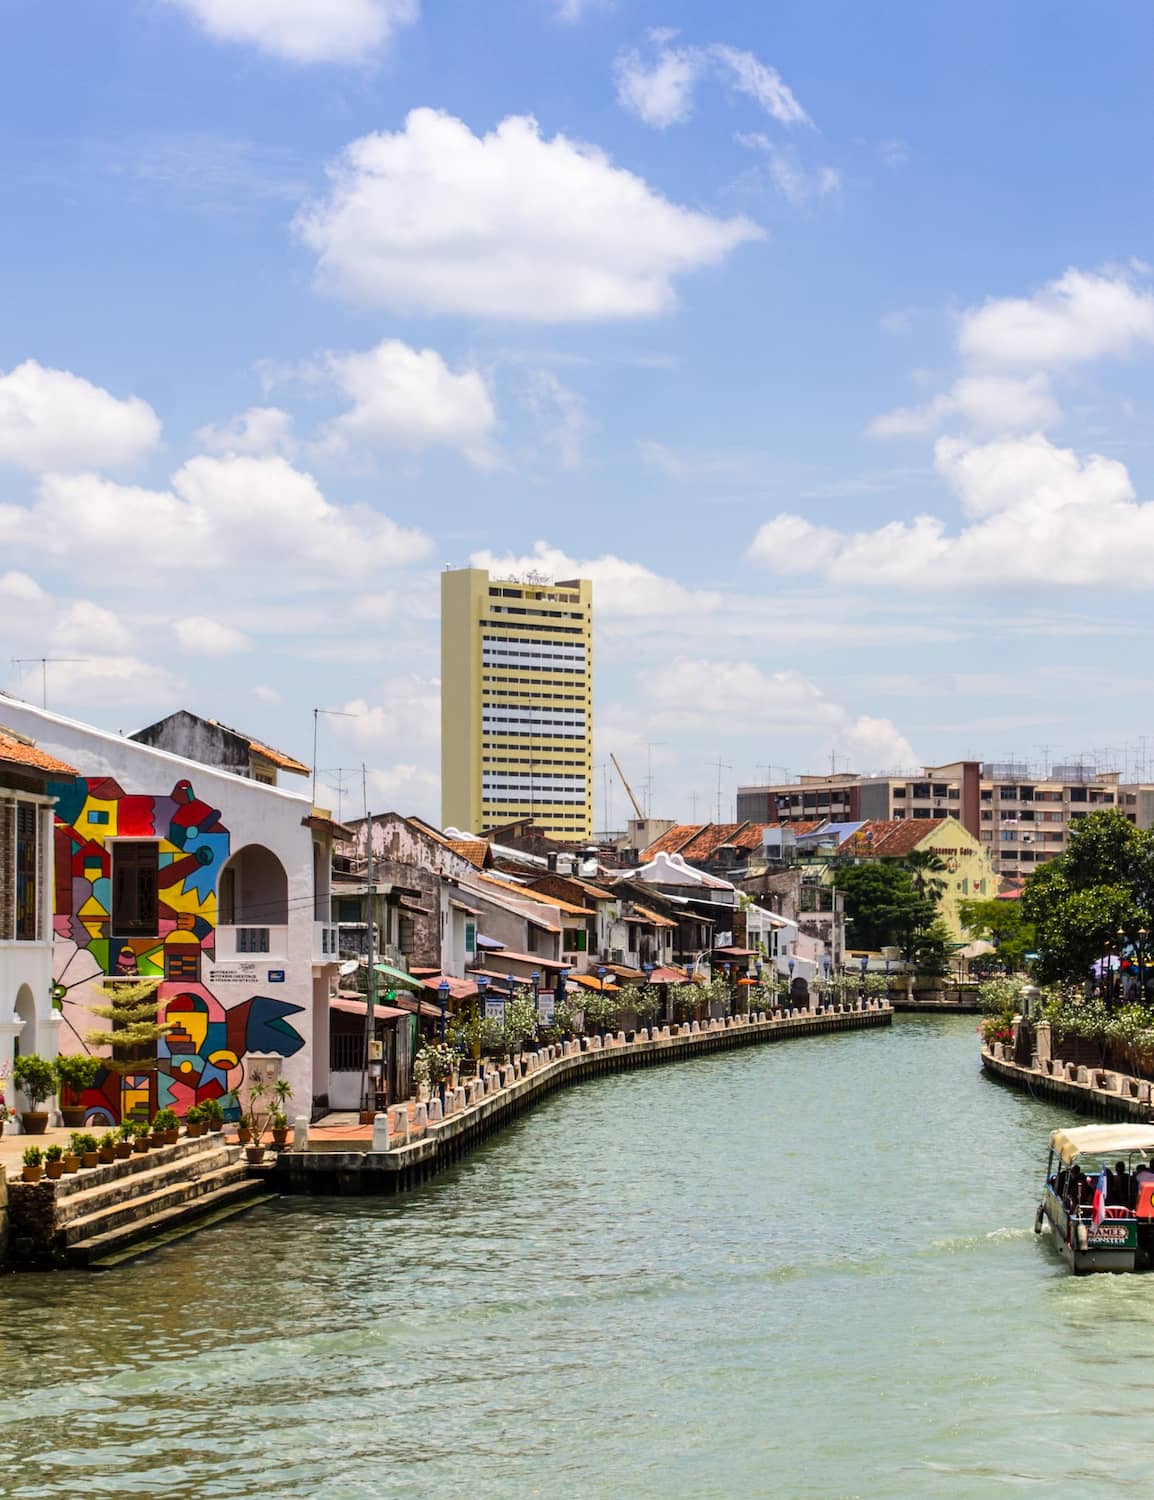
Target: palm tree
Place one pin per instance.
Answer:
(925, 867)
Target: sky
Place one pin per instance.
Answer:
(819, 336)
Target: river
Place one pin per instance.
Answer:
(804, 1270)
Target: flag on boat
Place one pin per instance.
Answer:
(1100, 1198)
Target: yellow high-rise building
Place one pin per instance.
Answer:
(516, 703)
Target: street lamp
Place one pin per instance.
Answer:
(1107, 972)
(1143, 936)
(865, 963)
(443, 996)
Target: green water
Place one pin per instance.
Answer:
(802, 1270)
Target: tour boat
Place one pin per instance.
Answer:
(1100, 1220)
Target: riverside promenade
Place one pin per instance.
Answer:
(414, 1142)
(1092, 1091)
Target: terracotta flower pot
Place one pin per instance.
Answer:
(31, 1174)
(122, 1150)
(90, 1159)
(140, 1144)
(196, 1130)
(34, 1121)
(215, 1127)
(106, 1154)
(243, 1134)
(156, 1139)
(53, 1169)
(280, 1137)
(71, 1161)
(254, 1155)
(171, 1136)
(73, 1116)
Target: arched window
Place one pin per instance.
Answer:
(25, 1042)
(253, 890)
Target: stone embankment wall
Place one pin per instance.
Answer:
(1094, 1091)
(410, 1146)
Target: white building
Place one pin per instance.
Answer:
(214, 885)
(28, 1020)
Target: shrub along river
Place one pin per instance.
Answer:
(798, 1270)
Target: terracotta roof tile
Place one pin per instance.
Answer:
(896, 837)
(671, 840)
(16, 750)
(474, 850)
(276, 758)
(539, 896)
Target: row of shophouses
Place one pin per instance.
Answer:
(185, 856)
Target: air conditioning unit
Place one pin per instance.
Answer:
(617, 955)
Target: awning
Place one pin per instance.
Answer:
(413, 1006)
(488, 942)
(622, 971)
(1102, 1140)
(407, 904)
(455, 901)
(591, 982)
(736, 952)
(669, 976)
(494, 977)
(530, 958)
(398, 976)
(360, 1008)
(459, 989)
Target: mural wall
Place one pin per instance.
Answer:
(202, 1055)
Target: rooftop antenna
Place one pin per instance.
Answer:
(336, 713)
(45, 662)
(721, 766)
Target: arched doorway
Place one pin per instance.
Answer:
(24, 1043)
(253, 889)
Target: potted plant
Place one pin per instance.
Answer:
(124, 1133)
(213, 1115)
(35, 1077)
(279, 1122)
(53, 1161)
(195, 1122)
(87, 1149)
(33, 1164)
(141, 1137)
(166, 1124)
(73, 1074)
(5, 1115)
(107, 1145)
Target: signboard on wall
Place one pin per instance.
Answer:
(241, 973)
(545, 1005)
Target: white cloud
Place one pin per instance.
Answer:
(260, 430)
(560, 415)
(408, 715)
(21, 587)
(1037, 516)
(987, 403)
(304, 31)
(102, 680)
(695, 695)
(508, 225)
(794, 182)
(265, 694)
(91, 627)
(1083, 315)
(660, 92)
(52, 419)
(259, 516)
(409, 398)
(200, 636)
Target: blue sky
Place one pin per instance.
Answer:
(819, 335)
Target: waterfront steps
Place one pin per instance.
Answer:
(109, 1211)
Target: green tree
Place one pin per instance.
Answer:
(134, 1028)
(926, 869)
(1079, 902)
(884, 906)
(1003, 924)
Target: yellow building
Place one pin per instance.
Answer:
(516, 703)
(965, 872)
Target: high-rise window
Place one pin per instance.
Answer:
(135, 867)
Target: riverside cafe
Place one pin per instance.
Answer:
(1100, 1219)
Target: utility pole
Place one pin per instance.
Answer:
(44, 663)
(367, 1100)
(721, 766)
(336, 713)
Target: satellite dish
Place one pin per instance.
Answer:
(350, 966)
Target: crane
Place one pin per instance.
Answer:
(628, 788)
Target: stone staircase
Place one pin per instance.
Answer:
(107, 1213)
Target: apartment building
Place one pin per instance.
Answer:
(516, 703)
(1023, 817)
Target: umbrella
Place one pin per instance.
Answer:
(1101, 965)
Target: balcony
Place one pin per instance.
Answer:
(264, 943)
(326, 949)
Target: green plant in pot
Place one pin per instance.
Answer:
(282, 1093)
(87, 1148)
(33, 1164)
(124, 1134)
(195, 1120)
(213, 1114)
(107, 1148)
(5, 1115)
(141, 1136)
(53, 1161)
(166, 1124)
(35, 1077)
(74, 1073)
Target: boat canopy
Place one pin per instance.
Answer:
(1101, 1140)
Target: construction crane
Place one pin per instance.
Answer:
(628, 788)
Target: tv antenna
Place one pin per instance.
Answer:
(44, 663)
(721, 766)
(336, 713)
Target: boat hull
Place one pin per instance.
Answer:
(1110, 1247)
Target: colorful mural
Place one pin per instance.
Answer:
(202, 1055)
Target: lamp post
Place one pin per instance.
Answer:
(1143, 936)
(443, 997)
(648, 968)
(482, 986)
(601, 972)
(865, 963)
(1107, 973)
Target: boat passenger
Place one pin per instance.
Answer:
(1074, 1185)
(1120, 1187)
